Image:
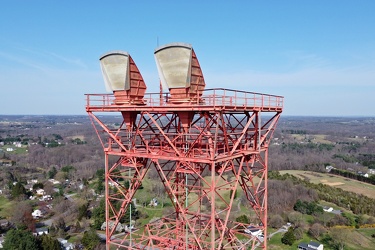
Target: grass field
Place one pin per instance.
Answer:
(313, 138)
(5, 207)
(334, 180)
(16, 150)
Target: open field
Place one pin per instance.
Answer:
(334, 180)
(316, 138)
(16, 150)
(81, 137)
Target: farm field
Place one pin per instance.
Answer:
(334, 180)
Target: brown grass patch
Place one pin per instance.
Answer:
(334, 183)
(324, 181)
(81, 137)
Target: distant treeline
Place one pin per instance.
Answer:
(294, 131)
(367, 160)
(351, 175)
(301, 148)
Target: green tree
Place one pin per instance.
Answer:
(359, 220)
(18, 190)
(100, 173)
(90, 239)
(82, 211)
(52, 230)
(98, 215)
(67, 168)
(17, 239)
(99, 186)
(126, 217)
(127, 184)
(100, 180)
(77, 227)
(235, 194)
(46, 242)
(52, 173)
(243, 219)
(289, 238)
(116, 175)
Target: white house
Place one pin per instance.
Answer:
(310, 246)
(46, 198)
(253, 231)
(36, 214)
(33, 181)
(10, 149)
(40, 191)
(65, 244)
(54, 182)
(327, 209)
(41, 231)
(329, 168)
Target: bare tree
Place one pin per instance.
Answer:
(296, 218)
(316, 230)
(340, 236)
(276, 221)
(22, 215)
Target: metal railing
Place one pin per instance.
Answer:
(210, 97)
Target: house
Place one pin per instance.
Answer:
(40, 192)
(310, 246)
(6, 162)
(327, 209)
(153, 202)
(41, 231)
(36, 214)
(113, 184)
(253, 231)
(1, 241)
(46, 198)
(65, 244)
(329, 168)
(10, 149)
(4, 223)
(54, 182)
(119, 227)
(33, 181)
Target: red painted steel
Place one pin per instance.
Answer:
(206, 155)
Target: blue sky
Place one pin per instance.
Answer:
(319, 55)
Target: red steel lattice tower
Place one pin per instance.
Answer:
(207, 146)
